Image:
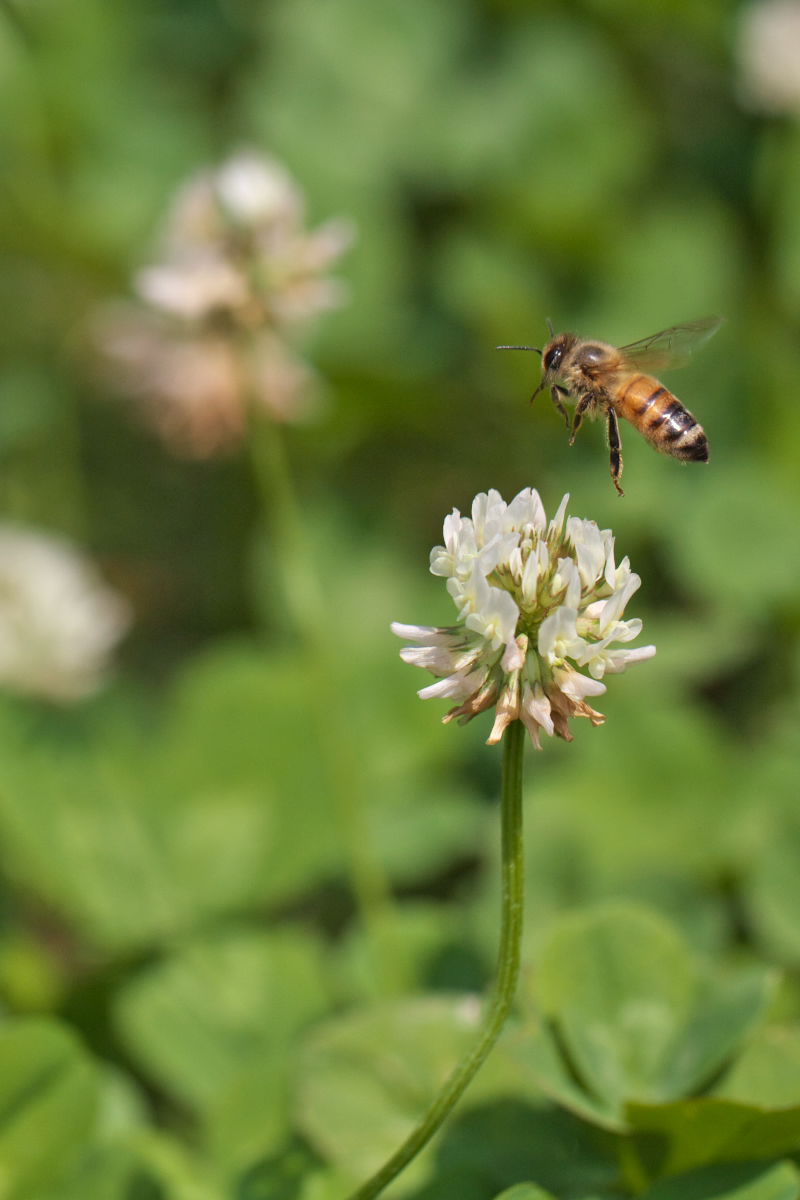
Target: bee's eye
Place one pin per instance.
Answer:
(552, 359)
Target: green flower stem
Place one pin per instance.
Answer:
(508, 964)
(285, 521)
(307, 613)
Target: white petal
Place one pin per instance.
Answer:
(622, 573)
(578, 686)
(592, 611)
(530, 579)
(543, 554)
(452, 528)
(526, 511)
(488, 510)
(568, 580)
(496, 551)
(427, 635)
(620, 631)
(515, 564)
(615, 605)
(432, 658)
(625, 631)
(557, 523)
(459, 590)
(610, 569)
(442, 562)
(558, 636)
(457, 554)
(455, 687)
(495, 614)
(473, 592)
(513, 657)
(619, 660)
(536, 706)
(590, 549)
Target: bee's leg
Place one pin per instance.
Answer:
(577, 420)
(557, 392)
(615, 447)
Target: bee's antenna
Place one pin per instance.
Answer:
(535, 349)
(549, 324)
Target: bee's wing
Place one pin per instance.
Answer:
(671, 347)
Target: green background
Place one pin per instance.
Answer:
(192, 1006)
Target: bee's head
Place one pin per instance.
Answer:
(552, 355)
(555, 352)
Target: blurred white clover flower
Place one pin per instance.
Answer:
(769, 55)
(536, 602)
(59, 622)
(235, 241)
(192, 386)
(238, 274)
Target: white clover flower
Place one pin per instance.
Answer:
(235, 242)
(536, 603)
(769, 55)
(212, 336)
(190, 386)
(59, 621)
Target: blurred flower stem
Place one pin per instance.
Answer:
(508, 964)
(307, 613)
(71, 469)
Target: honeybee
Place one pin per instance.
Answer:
(606, 379)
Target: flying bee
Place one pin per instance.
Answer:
(615, 381)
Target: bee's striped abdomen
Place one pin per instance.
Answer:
(662, 418)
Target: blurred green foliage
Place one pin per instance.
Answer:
(193, 1008)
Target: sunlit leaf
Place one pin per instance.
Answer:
(214, 1024)
(367, 1078)
(619, 983)
(627, 1014)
